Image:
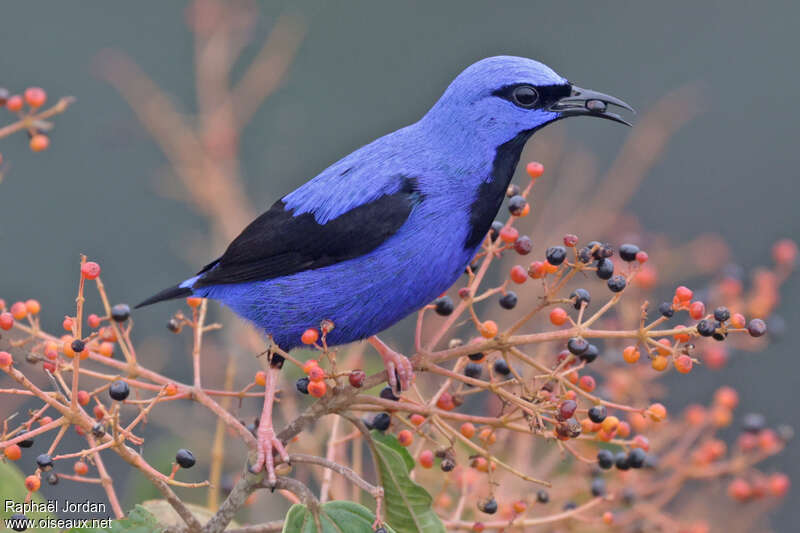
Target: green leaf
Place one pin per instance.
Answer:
(408, 506)
(334, 517)
(12, 489)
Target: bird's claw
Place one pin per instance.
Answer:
(399, 369)
(267, 443)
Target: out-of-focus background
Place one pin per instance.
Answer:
(363, 69)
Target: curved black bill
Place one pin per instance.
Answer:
(583, 102)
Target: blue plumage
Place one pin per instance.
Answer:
(459, 159)
(385, 230)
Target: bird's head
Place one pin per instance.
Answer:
(504, 97)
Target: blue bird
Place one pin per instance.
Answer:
(387, 229)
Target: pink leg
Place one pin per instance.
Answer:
(398, 367)
(265, 435)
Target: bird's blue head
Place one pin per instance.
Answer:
(502, 98)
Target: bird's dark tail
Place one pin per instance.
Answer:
(167, 294)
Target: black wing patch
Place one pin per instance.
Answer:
(278, 243)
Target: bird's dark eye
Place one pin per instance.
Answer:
(525, 96)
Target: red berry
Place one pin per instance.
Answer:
(194, 302)
(311, 363)
(310, 336)
(417, 419)
(445, 402)
(518, 274)
(509, 234)
(683, 364)
(14, 103)
(740, 490)
(587, 383)
(697, 310)
(467, 429)
(67, 324)
(785, 252)
(357, 378)
(5, 360)
(738, 320)
(316, 374)
(171, 389)
(6, 321)
(534, 169)
(426, 459)
(558, 316)
(83, 397)
(536, 270)
(35, 96)
(570, 240)
(13, 452)
(684, 294)
(642, 256)
(19, 311)
(90, 270)
(93, 321)
(80, 468)
(726, 397)
(33, 306)
(779, 484)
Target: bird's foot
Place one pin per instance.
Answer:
(267, 443)
(398, 366)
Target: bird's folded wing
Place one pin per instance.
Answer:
(281, 242)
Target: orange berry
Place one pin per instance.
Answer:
(640, 441)
(659, 363)
(519, 506)
(558, 316)
(32, 483)
(14, 103)
(67, 324)
(93, 320)
(681, 337)
(83, 397)
(5, 359)
(311, 363)
(488, 436)
(13, 452)
(739, 489)
(738, 320)
(33, 306)
(19, 311)
(6, 321)
(509, 234)
(35, 96)
(80, 468)
(550, 268)
(610, 423)
(90, 270)
(317, 389)
(623, 430)
(480, 464)
(405, 437)
(518, 274)
(667, 347)
(525, 210)
(66, 346)
(310, 336)
(630, 354)
(261, 378)
(695, 415)
(683, 294)
(416, 419)
(726, 397)
(468, 429)
(721, 417)
(194, 301)
(426, 459)
(608, 518)
(316, 374)
(779, 484)
(784, 252)
(39, 142)
(534, 169)
(445, 402)
(171, 389)
(657, 412)
(488, 329)
(106, 348)
(683, 364)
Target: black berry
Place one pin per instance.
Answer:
(605, 268)
(722, 314)
(388, 394)
(381, 421)
(577, 345)
(120, 312)
(543, 496)
(605, 459)
(513, 190)
(621, 460)
(185, 458)
(119, 390)
(579, 297)
(27, 443)
(617, 284)
(636, 458)
(597, 413)
(753, 423)
(495, 231)
(444, 305)
(52, 478)
(706, 328)
(627, 252)
(508, 300)
(516, 204)
(478, 356)
(302, 385)
(756, 327)
(18, 522)
(598, 487)
(44, 461)
(501, 367)
(590, 354)
(555, 255)
(488, 506)
(665, 308)
(523, 245)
